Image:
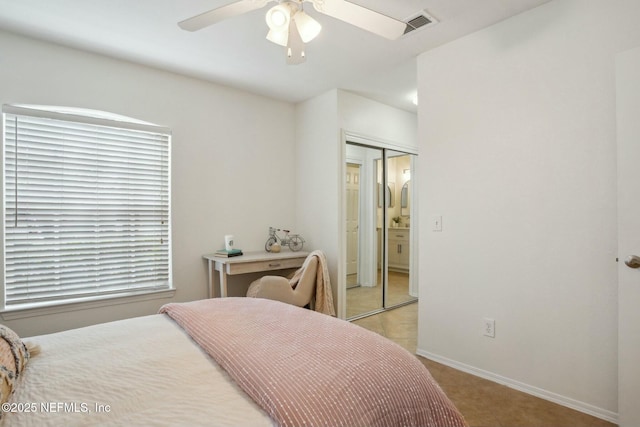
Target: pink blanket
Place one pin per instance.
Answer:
(306, 368)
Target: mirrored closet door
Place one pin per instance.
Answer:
(378, 241)
(364, 240)
(398, 173)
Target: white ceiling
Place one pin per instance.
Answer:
(236, 53)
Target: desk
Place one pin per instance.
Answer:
(250, 262)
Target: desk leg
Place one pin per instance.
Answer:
(210, 276)
(223, 283)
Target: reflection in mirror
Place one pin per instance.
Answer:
(389, 196)
(398, 248)
(364, 199)
(405, 203)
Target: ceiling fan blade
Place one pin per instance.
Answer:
(295, 47)
(362, 17)
(216, 15)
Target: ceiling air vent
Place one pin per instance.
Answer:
(420, 20)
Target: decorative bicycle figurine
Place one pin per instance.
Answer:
(294, 241)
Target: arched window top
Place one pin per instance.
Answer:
(84, 115)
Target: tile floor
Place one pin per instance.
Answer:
(482, 402)
(362, 299)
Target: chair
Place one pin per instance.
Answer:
(280, 288)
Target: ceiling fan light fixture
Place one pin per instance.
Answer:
(278, 37)
(308, 27)
(291, 27)
(279, 17)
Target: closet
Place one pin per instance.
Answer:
(379, 236)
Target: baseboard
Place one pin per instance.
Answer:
(526, 388)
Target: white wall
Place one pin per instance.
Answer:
(317, 186)
(373, 119)
(517, 139)
(233, 160)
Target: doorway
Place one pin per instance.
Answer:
(353, 213)
(628, 135)
(379, 239)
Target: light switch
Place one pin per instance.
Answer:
(436, 223)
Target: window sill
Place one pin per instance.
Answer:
(84, 304)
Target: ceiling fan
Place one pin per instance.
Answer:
(291, 27)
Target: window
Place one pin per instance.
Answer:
(86, 206)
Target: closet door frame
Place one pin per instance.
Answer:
(364, 140)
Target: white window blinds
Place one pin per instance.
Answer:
(86, 207)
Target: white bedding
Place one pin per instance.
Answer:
(152, 374)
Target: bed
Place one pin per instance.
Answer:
(224, 362)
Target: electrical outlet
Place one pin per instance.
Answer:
(489, 327)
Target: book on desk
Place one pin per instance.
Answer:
(228, 253)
